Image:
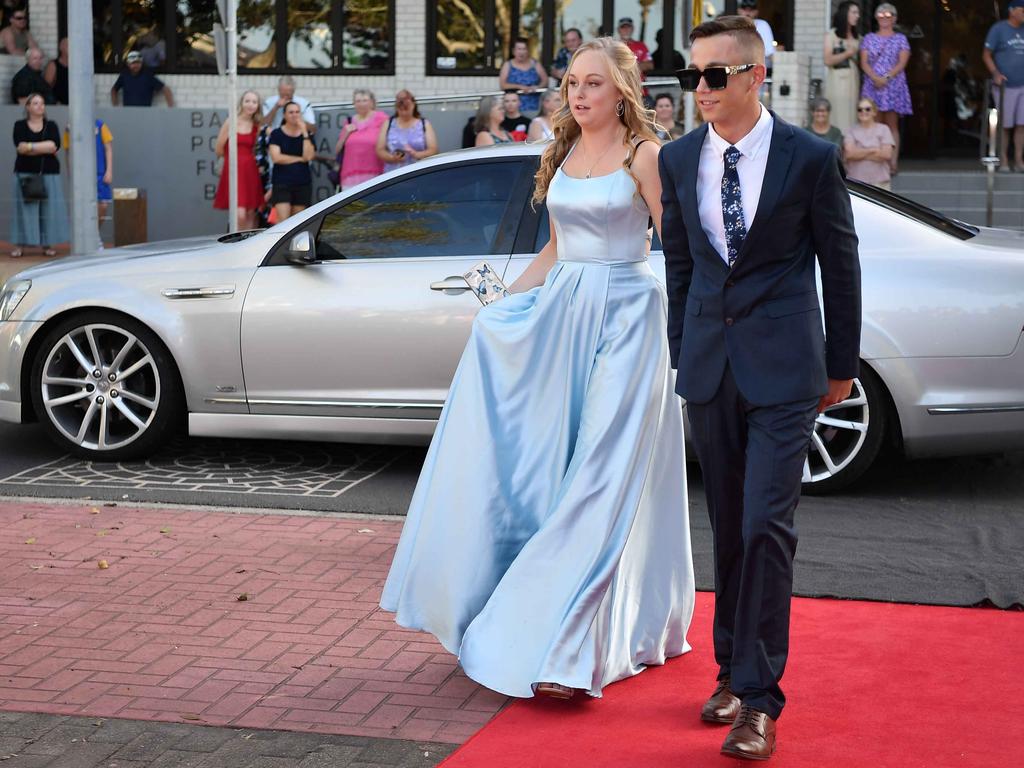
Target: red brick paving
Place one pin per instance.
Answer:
(161, 635)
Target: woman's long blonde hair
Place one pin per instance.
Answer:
(639, 120)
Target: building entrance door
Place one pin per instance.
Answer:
(945, 73)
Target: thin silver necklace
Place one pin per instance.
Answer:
(609, 149)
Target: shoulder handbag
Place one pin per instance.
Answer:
(33, 188)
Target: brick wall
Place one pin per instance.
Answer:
(811, 20)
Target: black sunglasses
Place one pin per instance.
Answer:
(717, 78)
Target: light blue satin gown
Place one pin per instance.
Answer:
(548, 538)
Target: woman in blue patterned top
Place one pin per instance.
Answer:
(523, 74)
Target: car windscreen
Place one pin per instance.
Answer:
(909, 208)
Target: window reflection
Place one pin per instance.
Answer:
(142, 27)
(584, 15)
(102, 40)
(531, 26)
(194, 30)
(460, 35)
(256, 45)
(365, 35)
(310, 38)
(502, 44)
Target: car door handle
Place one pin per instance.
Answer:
(451, 284)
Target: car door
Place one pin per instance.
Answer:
(375, 327)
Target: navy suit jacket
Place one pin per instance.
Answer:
(762, 316)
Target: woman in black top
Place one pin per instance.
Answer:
(39, 222)
(291, 149)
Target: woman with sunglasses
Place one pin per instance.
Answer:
(883, 58)
(868, 147)
(407, 136)
(547, 542)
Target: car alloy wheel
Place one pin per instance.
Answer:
(847, 437)
(105, 387)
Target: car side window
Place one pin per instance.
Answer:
(544, 232)
(453, 211)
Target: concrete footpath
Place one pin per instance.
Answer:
(131, 631)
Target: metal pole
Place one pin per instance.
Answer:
(231, 36)
(85, 236)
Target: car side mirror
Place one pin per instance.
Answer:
(301, 250)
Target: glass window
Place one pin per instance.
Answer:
(503, 28)
(194, 21)
(366, 35)
(256, 45)
(531, 26)
(142, 27)
(454, 211)
(310, 38)
(460, 35)
(102, 40)
(585, 15)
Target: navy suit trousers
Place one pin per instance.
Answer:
(752, 461)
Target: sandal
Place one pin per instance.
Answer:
(554, 691)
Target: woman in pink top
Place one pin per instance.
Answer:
(358, 138)
(868, 147)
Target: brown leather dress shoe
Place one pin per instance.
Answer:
(723, 706)
(752, 736)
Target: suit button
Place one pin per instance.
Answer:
(728, 321)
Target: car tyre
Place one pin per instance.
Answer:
(848, 438)
(106, 388)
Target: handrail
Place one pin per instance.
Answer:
(469, 98)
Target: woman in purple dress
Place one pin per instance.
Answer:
(883, 58)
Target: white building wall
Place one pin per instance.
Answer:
(204, 91)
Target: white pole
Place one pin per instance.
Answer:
(231, 36)
(84, 229)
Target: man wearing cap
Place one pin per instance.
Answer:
(139, 85)
(1004, 57)
(749, 9)
(644, 60)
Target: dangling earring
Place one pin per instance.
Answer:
(620, 108)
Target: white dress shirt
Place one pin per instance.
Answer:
(751, 166)
(308, 115)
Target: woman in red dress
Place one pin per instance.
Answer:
(250, 189)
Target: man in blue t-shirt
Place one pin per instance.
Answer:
(139, 85)
(1004, 57)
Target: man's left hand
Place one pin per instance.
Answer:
(838, 390)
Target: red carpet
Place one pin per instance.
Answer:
(869, 685)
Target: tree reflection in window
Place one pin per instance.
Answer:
(310, 37)
(194, 20)
(451, 212)
(256, 44)
(461, 35)
(365, 34)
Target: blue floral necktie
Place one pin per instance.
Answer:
(732, 206)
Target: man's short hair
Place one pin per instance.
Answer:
(739, 28)
(286, 80)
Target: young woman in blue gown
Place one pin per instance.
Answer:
(547, 542)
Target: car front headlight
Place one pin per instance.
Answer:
(12, 294)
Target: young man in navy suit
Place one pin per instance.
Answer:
(749, 202)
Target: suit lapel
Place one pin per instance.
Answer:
(780, 155)
(691, 163)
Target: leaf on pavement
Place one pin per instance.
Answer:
(165, 530)
(30, 540)
(103, 565)
(242, 597)
(365, 530)
(190, 716)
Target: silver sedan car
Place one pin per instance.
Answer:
(346, 322)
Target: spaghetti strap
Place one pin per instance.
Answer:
(567, 154)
